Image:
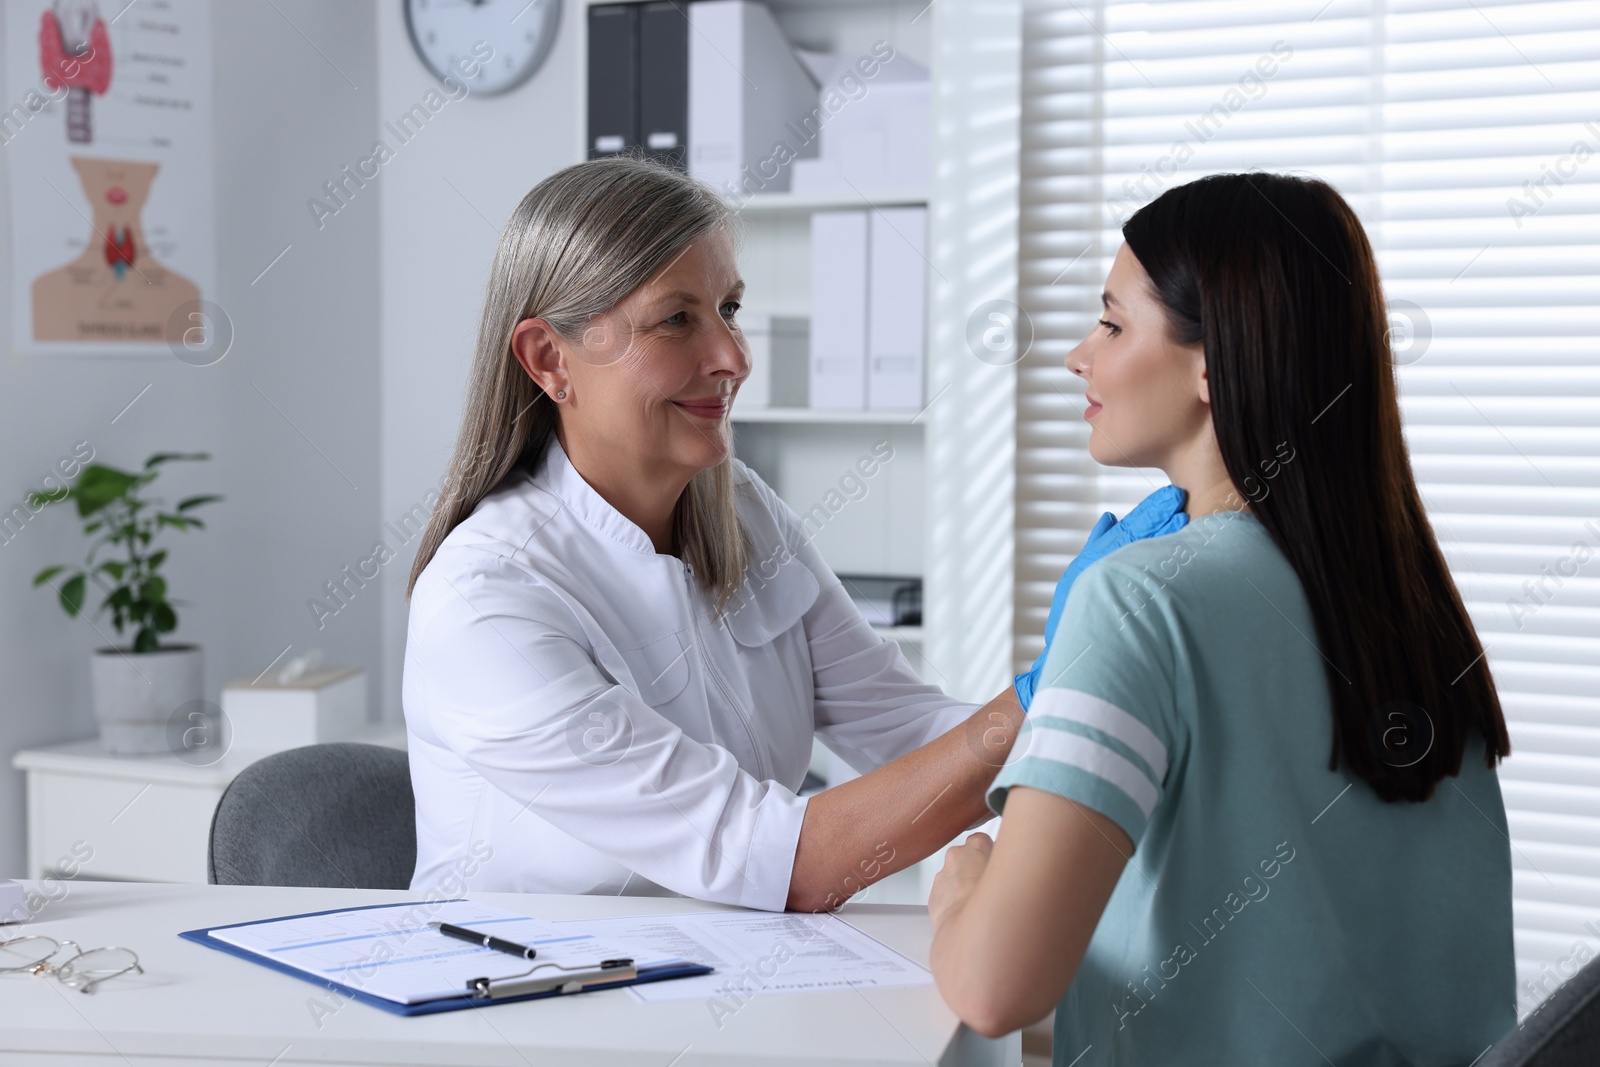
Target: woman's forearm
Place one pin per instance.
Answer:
(870, 827)
(1012, 922)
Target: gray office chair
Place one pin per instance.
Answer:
(338, 814)
(1564, 1032)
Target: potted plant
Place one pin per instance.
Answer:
(137, 688)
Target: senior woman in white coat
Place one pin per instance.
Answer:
(621, 642)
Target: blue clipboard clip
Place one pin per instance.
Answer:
(565, 979)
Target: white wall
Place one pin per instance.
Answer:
(444, 199)
(335, 411)
(302, 478)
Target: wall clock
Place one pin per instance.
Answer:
(492, 46)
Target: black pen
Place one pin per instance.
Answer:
(486, 940)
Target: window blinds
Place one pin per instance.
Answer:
(1467, 136)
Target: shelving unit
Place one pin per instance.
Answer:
(860, 524)
(807, 455)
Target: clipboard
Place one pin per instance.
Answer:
(428, 1007)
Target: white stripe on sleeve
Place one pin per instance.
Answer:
(1086, 754)
(1088, 709)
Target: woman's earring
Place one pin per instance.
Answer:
(561, 394)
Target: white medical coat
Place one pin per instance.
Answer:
(580, 722)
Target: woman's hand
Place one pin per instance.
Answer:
(964, 864)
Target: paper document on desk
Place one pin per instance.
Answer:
(391, 952)
(763, 952)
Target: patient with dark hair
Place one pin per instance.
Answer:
(1254, 816)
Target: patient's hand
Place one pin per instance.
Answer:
(963, 866)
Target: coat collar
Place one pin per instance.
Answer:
(557, 476)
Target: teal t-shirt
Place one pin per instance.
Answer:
(1274, 911)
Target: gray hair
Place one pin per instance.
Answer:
(579, 243)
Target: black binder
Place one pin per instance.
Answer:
(664, 80)
(639, 80)
(613, 79)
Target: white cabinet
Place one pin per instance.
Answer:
(135, 818)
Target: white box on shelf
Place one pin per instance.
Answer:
(780, 354)
(322, 705)
(880, 143)
(897, 310)
(734, 122)
(839, 310)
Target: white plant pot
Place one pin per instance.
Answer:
(136, 694)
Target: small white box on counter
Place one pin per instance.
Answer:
(321, 705)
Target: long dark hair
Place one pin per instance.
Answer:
(1274, 275)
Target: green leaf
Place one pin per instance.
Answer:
(92, 527)
(157, 558)
(153, 588)
(180, 521)
(197, 524)
(146, 641)
(113, 568)
(165, 457)
(121, 597)
(72, 595)
(98, 486)
(46, 574)
(166, 619)
(196, 501)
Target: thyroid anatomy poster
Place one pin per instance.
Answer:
(106, 130)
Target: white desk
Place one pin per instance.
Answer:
(211, 1009)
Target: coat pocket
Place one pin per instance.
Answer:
(767, 606)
